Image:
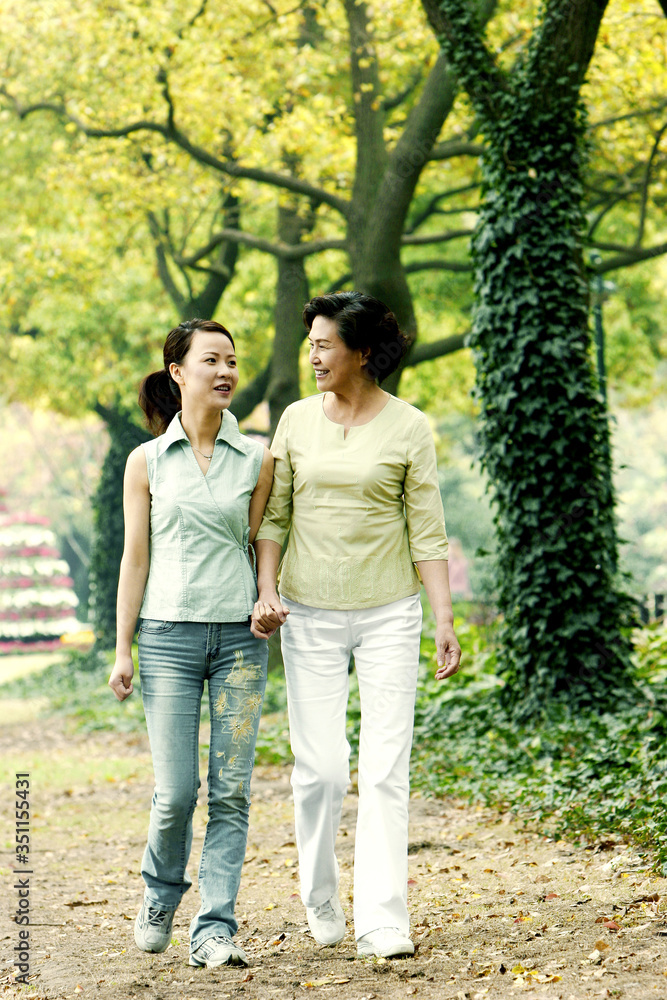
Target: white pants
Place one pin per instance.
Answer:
(316, 645)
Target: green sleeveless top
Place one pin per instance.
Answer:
(200, 568)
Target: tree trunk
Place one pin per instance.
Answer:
(109, 529)
(385, 184)
(543, 424)
(291, 296)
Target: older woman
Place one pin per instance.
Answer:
(355, 486)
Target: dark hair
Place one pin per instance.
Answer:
(362, 322)
(159, 395)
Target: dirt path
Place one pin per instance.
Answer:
(496, 912)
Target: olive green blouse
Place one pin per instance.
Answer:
(360, 510)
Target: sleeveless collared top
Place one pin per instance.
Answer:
(200, 568)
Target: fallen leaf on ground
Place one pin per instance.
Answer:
(87, 902)
(329, 980)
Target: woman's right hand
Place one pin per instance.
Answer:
(120, 681)
(268, 615)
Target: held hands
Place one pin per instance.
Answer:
(448, 652)
(268, 615)
(120, 681)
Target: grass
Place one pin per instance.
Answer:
(581, 774)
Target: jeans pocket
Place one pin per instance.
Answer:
(149, 626)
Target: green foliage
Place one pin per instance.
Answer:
(575, 773)
(109, 528)
(543, 426)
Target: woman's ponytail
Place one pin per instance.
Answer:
(160, 399)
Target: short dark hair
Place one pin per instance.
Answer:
(159, 395)
(362, 321)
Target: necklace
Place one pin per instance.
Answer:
(207, 457)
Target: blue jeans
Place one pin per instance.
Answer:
(174, 660)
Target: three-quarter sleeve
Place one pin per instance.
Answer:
(278, 513)
(427, 535)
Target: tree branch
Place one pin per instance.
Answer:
(338, 283)
(285, 251)
(252, 394)
(644, 113)
(480, 76)
(607, 205)
(447, 150)
(164, 273)
(566, 43)
(645, 185)
(206, 300)
(457, 266)
(433, 207)
(426, 238)
(410, 155)
(172, 134)
(435, 349)
(389, 103)
(632, 255)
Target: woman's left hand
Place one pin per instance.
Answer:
(448, 652)
(266, 619)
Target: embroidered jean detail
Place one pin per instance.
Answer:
(231, 762)
(254, 703)
(240, 727)
(221, 703)
(241, 674)
(229, 784)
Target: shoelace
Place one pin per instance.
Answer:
(157, 917)
(325, 911)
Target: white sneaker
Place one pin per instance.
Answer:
(327, 921)
(152, 928)
(385, 942)
(217, 951)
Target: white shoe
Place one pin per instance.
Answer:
(152, 928)
(327, 921)
(385, 942)
(217, 951)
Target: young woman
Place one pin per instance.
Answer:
(356, 487)
(194, 498)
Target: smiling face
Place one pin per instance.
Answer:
(208, 375)
(336, 365)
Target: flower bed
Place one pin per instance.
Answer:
(37, 600)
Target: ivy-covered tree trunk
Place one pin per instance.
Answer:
(543, 424)
(108, 524)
